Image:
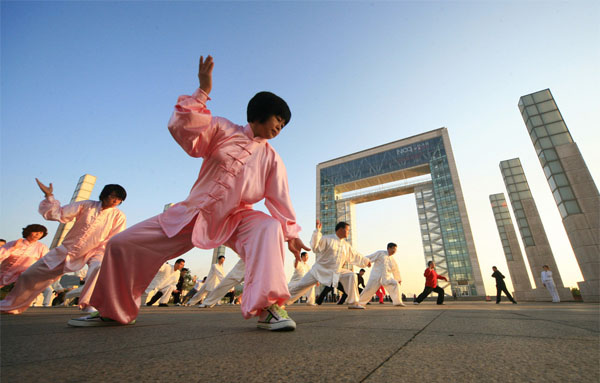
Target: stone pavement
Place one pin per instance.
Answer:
(457, 342)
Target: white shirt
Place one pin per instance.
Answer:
(384, 266)
(299, 271)
(547, 276)
(215, 275)
(166, 276)
(331, 254)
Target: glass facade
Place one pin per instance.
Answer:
(518, 189)
(502, 217)
(547, 130)
(452, 243)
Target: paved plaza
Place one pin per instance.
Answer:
(457, 342)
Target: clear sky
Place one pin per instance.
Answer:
(88, 87)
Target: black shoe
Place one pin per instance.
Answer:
(497, 303)
(514, 302)
(163, 305)
(148, 304)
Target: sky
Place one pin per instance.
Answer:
(88, 87)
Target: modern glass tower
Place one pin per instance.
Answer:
(423, 165)
(82, 192)
(512, 250)
(532, 230)
(572, 185)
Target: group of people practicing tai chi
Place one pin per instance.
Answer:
(239, 168)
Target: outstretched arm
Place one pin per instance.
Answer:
(47, 190)
(295, 245)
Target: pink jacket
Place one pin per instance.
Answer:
(238, 171)
(15, 261)
(91, 231)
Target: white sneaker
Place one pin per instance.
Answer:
(400, 304)
(356, 306)
(89, 309)
(275, 318)
(95, 320)
(311, 304)
(416, 303)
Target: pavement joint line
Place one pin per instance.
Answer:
(558, 322)
(454, 333)
(401, 347)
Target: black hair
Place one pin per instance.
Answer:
(391, 244)
(429, 263)
(34, 228)
(185, 269)
(180, 260)
(113, 188)
(2, 240)
(266, 104)
(361, 270)
(341, 225)
(494, 267)
(220, 256)
(303, 253)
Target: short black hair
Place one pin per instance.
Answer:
(341, 225)
(494, 267)
(185, 269)
(391, 244)
(220, 256)
(429, 263)
(303, 253)
(2, 240)
(266, 104)
(33, 228)
(113, 188)
(180, 260)
(363, 270)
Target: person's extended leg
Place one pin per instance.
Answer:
(131, 260)
(91, 277)
(232, 279)
(393, 288)
(426, 291)
(498, 294)
(369, 290)
(440, 297)
(258, 240)
(349, 281)
(29, 285)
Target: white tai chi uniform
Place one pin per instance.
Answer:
(548, 281)
(331, 253)
(300, 271)
(232, 279)
(215, 275)
(384, 273)
(164, 281)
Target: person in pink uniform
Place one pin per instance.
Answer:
(95, 223)
(17, 256)
(239, 169)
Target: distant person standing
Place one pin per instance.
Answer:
(361, 280)
(179, 287)
(548, 283)
(431, 277)
(215, 275)
(501, 286)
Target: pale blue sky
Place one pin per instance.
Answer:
(87, 87)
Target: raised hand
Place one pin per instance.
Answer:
(46, 189)
(205, 73)
(319, 224)
(295, 245)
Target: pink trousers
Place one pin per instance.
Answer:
(133, 257)
(38, 277)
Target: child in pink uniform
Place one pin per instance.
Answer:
(95, 223)
(239, 169)
(17, 256)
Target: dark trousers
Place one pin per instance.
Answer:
(428, 290)
(231, 296)
(323, 294)
(154, 298)
(344, 295)
(499, 290)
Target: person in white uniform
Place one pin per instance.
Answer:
(197, 285)
(332, 252)
(215, 275)
(385, 273)
(163, 284)
(548, 283)
(300, 269)
(232, 279)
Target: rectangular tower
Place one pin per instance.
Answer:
(82, 192)
(512, 250)
(574, 190)
(532, 229)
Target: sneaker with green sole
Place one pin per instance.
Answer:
(274, 318)
(95, 320)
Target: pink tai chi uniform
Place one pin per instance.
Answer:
(17, 260)
(84, 243)
(238, 170)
